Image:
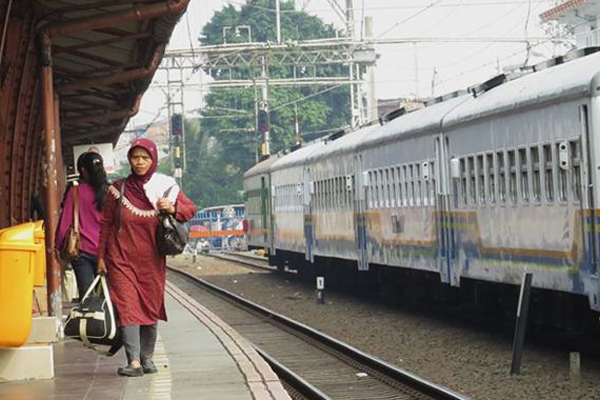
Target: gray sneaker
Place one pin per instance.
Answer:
(149, 367)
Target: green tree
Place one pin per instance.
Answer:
(224, 145)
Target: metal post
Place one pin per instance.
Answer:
(264, 106)
(373, 107)
(297, 134)
(53, 269)
(350, 19)
(278, 20)
(256, 131)
(320, 290)
(575, 367)
(521, 323)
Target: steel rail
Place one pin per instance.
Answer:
(393, 372)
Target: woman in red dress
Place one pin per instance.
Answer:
(129, 256)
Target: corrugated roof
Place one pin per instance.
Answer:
(100, 73)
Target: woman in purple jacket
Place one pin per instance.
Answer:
(92, 187)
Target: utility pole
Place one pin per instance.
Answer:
(373, 106)
(433, 81)
(350, 20)
(278, 20)
(263, 111)
(416, 71)
(176, 113)
(297, 134)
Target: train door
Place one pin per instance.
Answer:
(309, 226)
(264, 198)
(360, 223)
(586, 183)
(443, 208)
(270, 193)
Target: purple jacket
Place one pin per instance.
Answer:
(89, 219)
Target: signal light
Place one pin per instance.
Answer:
(177, 125)
(263, 121)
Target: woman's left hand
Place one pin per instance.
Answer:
(165, 205)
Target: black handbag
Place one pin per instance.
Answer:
(171, 235)
(94, 320)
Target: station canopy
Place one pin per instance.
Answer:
(101, 73)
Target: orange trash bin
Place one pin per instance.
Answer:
(17, 265)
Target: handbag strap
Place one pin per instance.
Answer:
(76, 208)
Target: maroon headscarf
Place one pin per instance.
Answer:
(135, 183)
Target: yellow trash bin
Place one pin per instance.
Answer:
(39, 276)
(17, 264)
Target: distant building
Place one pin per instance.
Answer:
(157, 132)
(385, 106)
(582, 15)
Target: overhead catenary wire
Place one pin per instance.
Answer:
(410, 17)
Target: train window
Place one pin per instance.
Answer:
(393, 184)
(381, 188)
(331, 194)
(575, 150)
(403, 192)
(524, 176)
(339, 192)
(319, 192)
(333, 200)
(375, 189)
(390, 180)
(411, 187)
(472, 180)
(463, 180)
(536, 173)
(548, 172)
(370, 189)
(433, 179)
(489, 168)
(501, 173)
(405, 179)
(512, 176)
(480, 168)
(417, 182)
(324, 189)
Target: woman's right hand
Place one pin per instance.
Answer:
(101, 268)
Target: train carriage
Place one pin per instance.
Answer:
(257, 196)
(475, 187)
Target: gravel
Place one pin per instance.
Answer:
(472, 361)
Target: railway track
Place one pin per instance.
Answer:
(244, 259)
(311, 364)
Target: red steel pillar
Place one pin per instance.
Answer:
(53, 269)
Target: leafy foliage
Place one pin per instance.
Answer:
(224, 145)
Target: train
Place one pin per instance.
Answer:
(464, 195)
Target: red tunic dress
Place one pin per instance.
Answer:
(136, 271)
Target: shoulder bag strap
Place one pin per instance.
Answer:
(76, 209)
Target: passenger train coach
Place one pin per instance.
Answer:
(471, 191)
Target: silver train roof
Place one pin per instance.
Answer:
(573, 79)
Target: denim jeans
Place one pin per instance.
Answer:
(85, 271)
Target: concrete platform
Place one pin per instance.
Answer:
(198, 356)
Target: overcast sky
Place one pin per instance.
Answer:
(403, 70)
